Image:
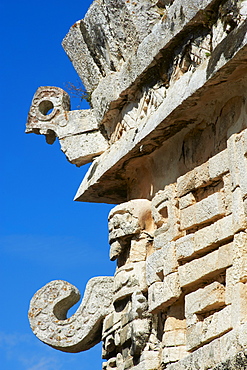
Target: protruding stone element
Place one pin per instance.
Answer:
(77, 131)
(81, 331)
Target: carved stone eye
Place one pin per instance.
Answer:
(46, 107)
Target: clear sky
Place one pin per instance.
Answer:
(44, 234)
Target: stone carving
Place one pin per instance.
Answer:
(81, 331)
(77, 131)
(167, 136)
(131, 231)
(126, 330)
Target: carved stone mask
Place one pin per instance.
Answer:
(126, 221)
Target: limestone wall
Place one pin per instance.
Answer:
(193, 302)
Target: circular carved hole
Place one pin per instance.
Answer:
(46, 107)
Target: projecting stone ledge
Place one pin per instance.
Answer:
(189, 100)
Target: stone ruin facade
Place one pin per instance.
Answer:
(167, 138)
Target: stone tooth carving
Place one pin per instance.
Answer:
(49, 306)
(77, 131)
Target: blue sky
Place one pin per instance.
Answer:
(44, 234)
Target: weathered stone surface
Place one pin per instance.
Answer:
(154, 267)
(166, 216)
(173, 354)
(206, 299)
(163, 294)
(201, 268)
(161, 263)
(49, 306)
(205, 239)
(211, 327)
(128, 279)
(130, 218)
(218, 164)
(204, 211)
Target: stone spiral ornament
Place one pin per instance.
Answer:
(48, 314)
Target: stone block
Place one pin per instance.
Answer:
(140, 334)
(239, 304)
(125, 333)
(174, 338)
(227, 193)
(161, 263)
(163, 294)
(200, 269)
(206, 210)
(218, 165)
(174, 323)
(186, 183)
(186, 201)
(238, 211)
(238, 164)
(173, 354)
(241, 336)
(201, 175)
(240, 257)
(211, 327)
(130, 218)
(214, 353)
(148, 360)
(78, 52)
(81, 149)
(185, 246)
(170, 260)
(192, 180)
(213, 234)
(139, 247)
(111, 321)
(154, 267)
(139, 305)
(166, 215)
(211, 297)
